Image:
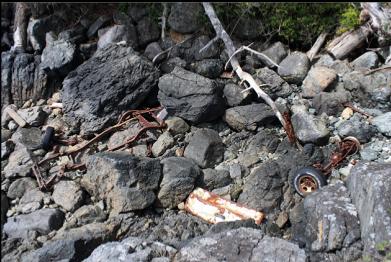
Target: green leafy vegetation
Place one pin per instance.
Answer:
(350, 19)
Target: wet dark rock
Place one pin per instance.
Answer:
(249, 116)
(210, 68)
(118, 33)
(276, 52)
(60, 58)
(68, 195)
(309, 129)
(205, 148)
(277, 87)
(148, 31)
(243, 244)
(132, 249)
(369, 186)
(125, 182)
(327, 221)
(7, 60)
(216, 178)
(169, 65)
(115, 79)
(43, 221)
(184, 17)
(331, 103)
(4, 208)
(294, 67)
(318, 79)
(87, 50)
(368, 60)
(36, 31)
(234, 96)
(179, 176)
(263, 188)
(99, 23)
(34, 116)
(190, 96)
(383, 123)
(6, 149)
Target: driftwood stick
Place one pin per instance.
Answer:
(15, 116)
(317, 45)
(209, 44)
(164, 19)
(230, 48)
(261, 55)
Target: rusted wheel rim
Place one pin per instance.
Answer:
(307, 185)
(356, 143)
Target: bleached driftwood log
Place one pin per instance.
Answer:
(231, 51)
(317, 45)
(379, 19)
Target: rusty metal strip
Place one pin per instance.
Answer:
(214, 209)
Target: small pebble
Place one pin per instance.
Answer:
(347, 113)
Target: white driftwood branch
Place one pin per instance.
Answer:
(164, 20)
(316, 47)
(244, 76)
(210, 43)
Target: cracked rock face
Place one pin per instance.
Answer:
(243, 244)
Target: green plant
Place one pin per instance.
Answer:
(350, 19)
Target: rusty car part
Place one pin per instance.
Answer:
(289, 128)
(214, 209)
(309, 179)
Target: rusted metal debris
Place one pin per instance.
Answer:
(289, 128)
(214, 209)
(348, 146)
(126, 118)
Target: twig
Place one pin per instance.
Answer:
(209, 44)
(377, 69)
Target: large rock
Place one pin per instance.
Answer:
(7, 60)
(6, 149)
(185, 17)
(34, 116)
(368, 60)
(294, 67)
(210, 68)
(179, 176)
(318, 79)
(60, 58)
(263, 188)
(242, 244)
(190, 96)
(276, 52)
(148, 31)
(216, 178)
(249, 116)
(248, 28)
(4, 209)
(99, 23)
(132, 249)
(205, 148)
(114, 80)
(383, 123)
(164, 142)
(20, 186)
(326, 220)
(309, 129)
(118, 33)
(125, 182)
(370, 189)
(331, 103)
(359, 129)
(36, 32)
(74, 244)
(234, 95)
(276, 86)
(68, 195)
(43, 221)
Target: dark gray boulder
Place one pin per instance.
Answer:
(331, 103)
(190, 96)
(115, 79)
(36, 32)
(383, 123)
(148, 31)
(185, 17)
(6, 149)
(4, 208)
(179, 176)
(234, 95)
(359, 129)
(248, 29)
(43, 221)
(205, 148)
(210, 68)
(242, 244)
(125, 182)
(369, 185)
(216, 178)
(60, 58)
(368, 60)
(276, 86)
(249, 116)
(99, 23)
(276, 52)
(294, 67)
(309, 128)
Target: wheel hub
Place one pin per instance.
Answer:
(307, 185)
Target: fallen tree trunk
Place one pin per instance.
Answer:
(244, 76)
(316, 47)
(341, 47)
(380, 19)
